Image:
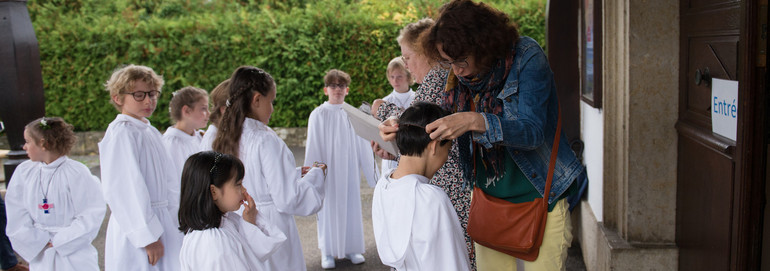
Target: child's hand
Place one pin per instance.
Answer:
(49, 244)
(376, 105)
(249, 208)
(380, 152)
(321, 166)
(305, 170)
(154, 252)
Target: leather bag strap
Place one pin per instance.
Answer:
(552, 163)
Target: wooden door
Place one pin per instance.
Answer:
(717, 177)
(563, 56)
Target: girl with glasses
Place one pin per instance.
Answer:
(138, 182)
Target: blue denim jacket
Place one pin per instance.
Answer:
(528, 122)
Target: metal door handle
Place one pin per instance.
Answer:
(704, 77)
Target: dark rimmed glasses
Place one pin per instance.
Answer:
(460, 63)
(140, 95)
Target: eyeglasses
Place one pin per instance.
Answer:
(337, 86)
(460, 63)
(139, 95)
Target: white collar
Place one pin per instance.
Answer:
(254, 124)
(56, 163)
(135, 121)
(176, 132)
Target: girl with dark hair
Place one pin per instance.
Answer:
(280, 189)
(504, 96)
(54, 204)
(216, 238)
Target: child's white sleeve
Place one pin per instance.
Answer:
(264, 238)
(125, 190)
(27, 240)
(291, 193)
(89, 213)
(174, 150)
(366, 160)
(316, 141)
(316, 150)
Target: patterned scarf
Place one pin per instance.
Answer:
(480, 94)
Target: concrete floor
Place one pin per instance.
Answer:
(308, 232)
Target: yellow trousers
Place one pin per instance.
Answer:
(553, 253)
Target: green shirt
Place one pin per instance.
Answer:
(513, 186)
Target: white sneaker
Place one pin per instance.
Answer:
(327, 262)
(356, 258)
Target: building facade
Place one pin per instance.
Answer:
(665, 191)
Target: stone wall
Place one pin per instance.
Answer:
(87, 141)
(640, 65)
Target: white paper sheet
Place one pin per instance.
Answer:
(366, 127)
(724, 108)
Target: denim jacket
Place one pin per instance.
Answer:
(528, 122)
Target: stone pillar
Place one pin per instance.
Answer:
(21, 80)
(653, 102)
(641, 90)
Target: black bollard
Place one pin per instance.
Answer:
(21, 80)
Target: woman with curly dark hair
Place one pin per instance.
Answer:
(502, 91)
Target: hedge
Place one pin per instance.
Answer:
(200, 43)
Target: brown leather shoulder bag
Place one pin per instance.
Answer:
(515, 229)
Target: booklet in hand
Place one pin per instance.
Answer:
(365, 126)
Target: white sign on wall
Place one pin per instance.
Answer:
(724, 107)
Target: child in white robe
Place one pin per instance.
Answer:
(402, 96)
(54, 204)
(279, 188)
(415, 225)
(216, 238)
(189, 109)
(218, 98)
(138, 182)
(332, 140)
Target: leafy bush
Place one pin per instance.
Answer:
(200, 43)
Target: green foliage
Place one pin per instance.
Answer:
(200, 43)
